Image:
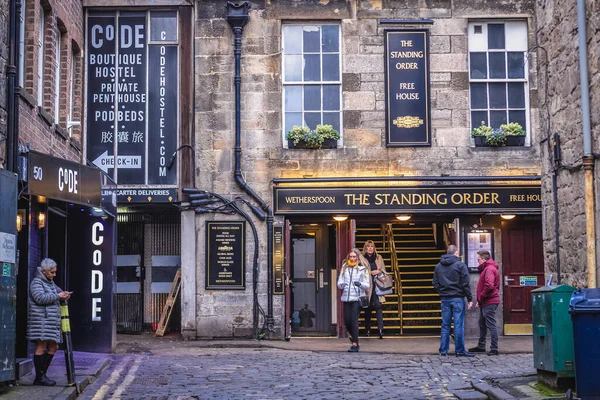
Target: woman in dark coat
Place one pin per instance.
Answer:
(44, 319)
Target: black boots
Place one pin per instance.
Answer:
(381, 334)
(41, 363)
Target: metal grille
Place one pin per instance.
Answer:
(128, 312)
(85, 361)
(130, 232)
(156, 381)
(167, 234)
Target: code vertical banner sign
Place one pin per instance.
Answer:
(407, 87)
(162, 110)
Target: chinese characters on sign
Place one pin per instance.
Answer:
(132, 117)
(225, 254)
(407, 87)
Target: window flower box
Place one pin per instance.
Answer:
(327, 144)
(322, 137)
(511, 134)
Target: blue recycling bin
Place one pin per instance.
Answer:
(585, 315)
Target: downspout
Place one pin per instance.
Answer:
(588, 155)
(12, 137)
(237, 17)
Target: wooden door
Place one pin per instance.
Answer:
(522, 271)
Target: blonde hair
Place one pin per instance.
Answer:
(367, 243)
(360, 260)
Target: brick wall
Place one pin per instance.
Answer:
(38, 123)
(4, 32)
(560, 99)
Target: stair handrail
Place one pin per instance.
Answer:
(446, 232)
(384, 233)
(395, 269)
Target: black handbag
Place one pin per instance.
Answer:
(363, 301)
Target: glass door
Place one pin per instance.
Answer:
(311, 301)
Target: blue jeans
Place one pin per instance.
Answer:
(453, 308)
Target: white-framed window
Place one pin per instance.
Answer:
(22, 44)
(40, 68)
(57, 77)
(70, 122)
(498, 73)
(312, 76)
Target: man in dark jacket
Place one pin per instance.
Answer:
(487, 301)
(451, 281)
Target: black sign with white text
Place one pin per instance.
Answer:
(131, 111)
(91, 306)
(64, 180)
(132, 114)
(278, 249)
(407, 87)
(162, 113)
(151, 195)
(225, 255)
(101, 75)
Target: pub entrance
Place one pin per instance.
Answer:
(312, 282)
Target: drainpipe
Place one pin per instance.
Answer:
(237, 17)
(12, 137)
(588, 155)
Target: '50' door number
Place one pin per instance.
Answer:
(37, 173)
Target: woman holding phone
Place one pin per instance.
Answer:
(44, 319)
(354, 281)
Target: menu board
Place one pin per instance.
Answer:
(225, 254)
(478, 239)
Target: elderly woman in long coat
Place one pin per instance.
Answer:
(44, 319)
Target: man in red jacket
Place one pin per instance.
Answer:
(487, 301)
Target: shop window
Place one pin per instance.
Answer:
(311, 76)
(498, 65)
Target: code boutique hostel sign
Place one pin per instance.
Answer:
(407, 87)
(132, 86)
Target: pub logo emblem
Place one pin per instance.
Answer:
(408, 122)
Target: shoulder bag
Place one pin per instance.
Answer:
(384, 281)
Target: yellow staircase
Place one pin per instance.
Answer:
(414, 308)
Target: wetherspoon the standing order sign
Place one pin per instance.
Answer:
(407, 87)
(132, 97)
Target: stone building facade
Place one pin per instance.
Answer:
(561, 105)
(362, 152)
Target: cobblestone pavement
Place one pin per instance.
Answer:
(241, 373)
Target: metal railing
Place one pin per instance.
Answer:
(389, 235)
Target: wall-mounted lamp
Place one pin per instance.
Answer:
(507, 216)
(19, 221)
(403, 217)
(340, 218)
(41, 218)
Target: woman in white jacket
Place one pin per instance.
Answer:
(354, 281)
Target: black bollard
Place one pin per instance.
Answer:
(66, 333)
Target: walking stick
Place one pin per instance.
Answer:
(66, 332)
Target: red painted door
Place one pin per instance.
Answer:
(522, 268)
